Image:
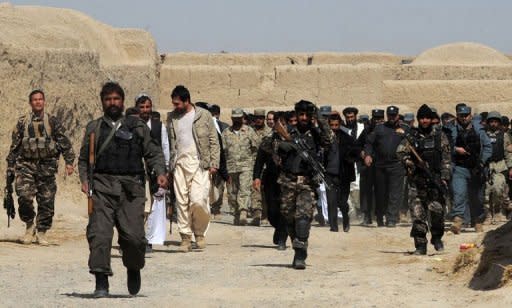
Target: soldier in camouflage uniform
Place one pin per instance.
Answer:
(427, 179)
(38, 140)
(258, 205)
(500, 166)
(240, 145)
(298, 187)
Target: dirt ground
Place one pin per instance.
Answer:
(367, 267)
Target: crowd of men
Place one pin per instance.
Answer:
(276, 166)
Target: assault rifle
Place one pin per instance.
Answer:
(8, 200)
(303, 150)
(90, 173)
(423, 165)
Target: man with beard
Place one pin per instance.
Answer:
(297, 178)
(195, 157)
(270, 119)
(500, 167)
(122, 144)
(428, 174)
(472, 149)
(265, 175)
(240, 145)
(381, 146)
(38, 140)
(260, 131)
(367, 174)
(159, 133)
(355, 138)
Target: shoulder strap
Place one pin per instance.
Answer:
(109, 137)
(47, 126)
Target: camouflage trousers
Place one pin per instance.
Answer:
(36, 179)
(298, 201)
(427, 212)
(496, 194)
(239, 191)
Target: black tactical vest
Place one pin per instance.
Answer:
(429, 148)
(123, 155)
(470, 141)
(294, 162)
(156, 131)
(498, 151)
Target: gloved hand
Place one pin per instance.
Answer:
(287, 146)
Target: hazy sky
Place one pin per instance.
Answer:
(405, 27)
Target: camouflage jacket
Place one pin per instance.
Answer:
(58, 135)
(240, 148)
(443, 149)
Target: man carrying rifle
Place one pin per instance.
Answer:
(121, 144)
(301, 173)
(427, 157)
(38, 140)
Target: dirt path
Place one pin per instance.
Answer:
(368, 267)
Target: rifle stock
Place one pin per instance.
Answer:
(90, 173)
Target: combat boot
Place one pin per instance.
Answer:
(200, 242)
(456, 225)
(256, 218)
(479, 227)
(186, 243)
(242, 221)
(421, 248)
(29, 234)
(301, 253)
(41, 238)
(438, 244)
(101, 285)
(133, 281)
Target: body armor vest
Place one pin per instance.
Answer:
(37, 141)
(498, 150)
(294, 162)
(123, 154)
(470, 141)
(429, 148)
(156, 131)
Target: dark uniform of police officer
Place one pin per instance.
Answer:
(472, 149)
(297, 180)
(121, 143)
(428, 175)
(367, 174)
(381, 146)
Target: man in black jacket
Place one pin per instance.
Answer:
(380, 148)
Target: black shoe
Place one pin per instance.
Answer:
(281, 245)
(334, 229)
(438, 244)
(421, 250)
(299, 260)
(133, 281)
(346, 224)
(380, 222)
(101, 285)
(149, 248)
